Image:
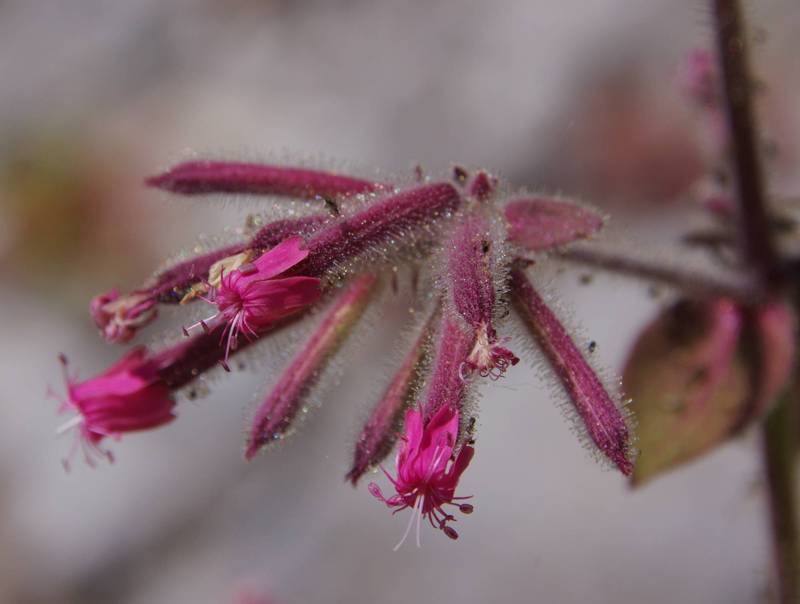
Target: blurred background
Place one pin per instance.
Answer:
(576, 96)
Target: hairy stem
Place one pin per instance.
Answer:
(759, 251)
(690, 283)
(758, 246)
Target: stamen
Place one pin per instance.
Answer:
(70, 423)
(419, 518)
(203, 323)
(410, 522)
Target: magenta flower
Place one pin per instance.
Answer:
(118, 318)
(432, 432)
(428, 472)
(129, 396)
(250, 299)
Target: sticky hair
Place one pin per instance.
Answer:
(330, 372)
(501, 255)
(528, 349)
(402, 243)
(419, 311)
(616, 243)
(274, 206)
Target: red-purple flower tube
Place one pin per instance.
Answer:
(202, 177)
(605, 423)
(274, 416)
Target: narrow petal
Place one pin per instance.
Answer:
(439, 439)
(380, 430)
(461, 463)
(274, 417)
(539, 223)
(201, 177)
(280, 258)
(274, 299)
(604, 421)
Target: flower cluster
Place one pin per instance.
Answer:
(471, 243)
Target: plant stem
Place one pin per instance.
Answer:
(760, 253)
(780, 449)
(758, 244)
(691, 283)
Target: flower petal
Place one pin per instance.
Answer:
(279, 259)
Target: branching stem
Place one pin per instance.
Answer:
(759, 252)
(758, 245)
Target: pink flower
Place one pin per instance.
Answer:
(250, 298)
(129, 396)
(427, 474)
(119, 317)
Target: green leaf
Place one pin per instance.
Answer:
(689, 384)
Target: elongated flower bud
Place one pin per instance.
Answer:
(448, 384)
(538, 223)
(380, 430)
(604, 421)
(471, 269)
(394, 217)
(274, 417)
(201, 177)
